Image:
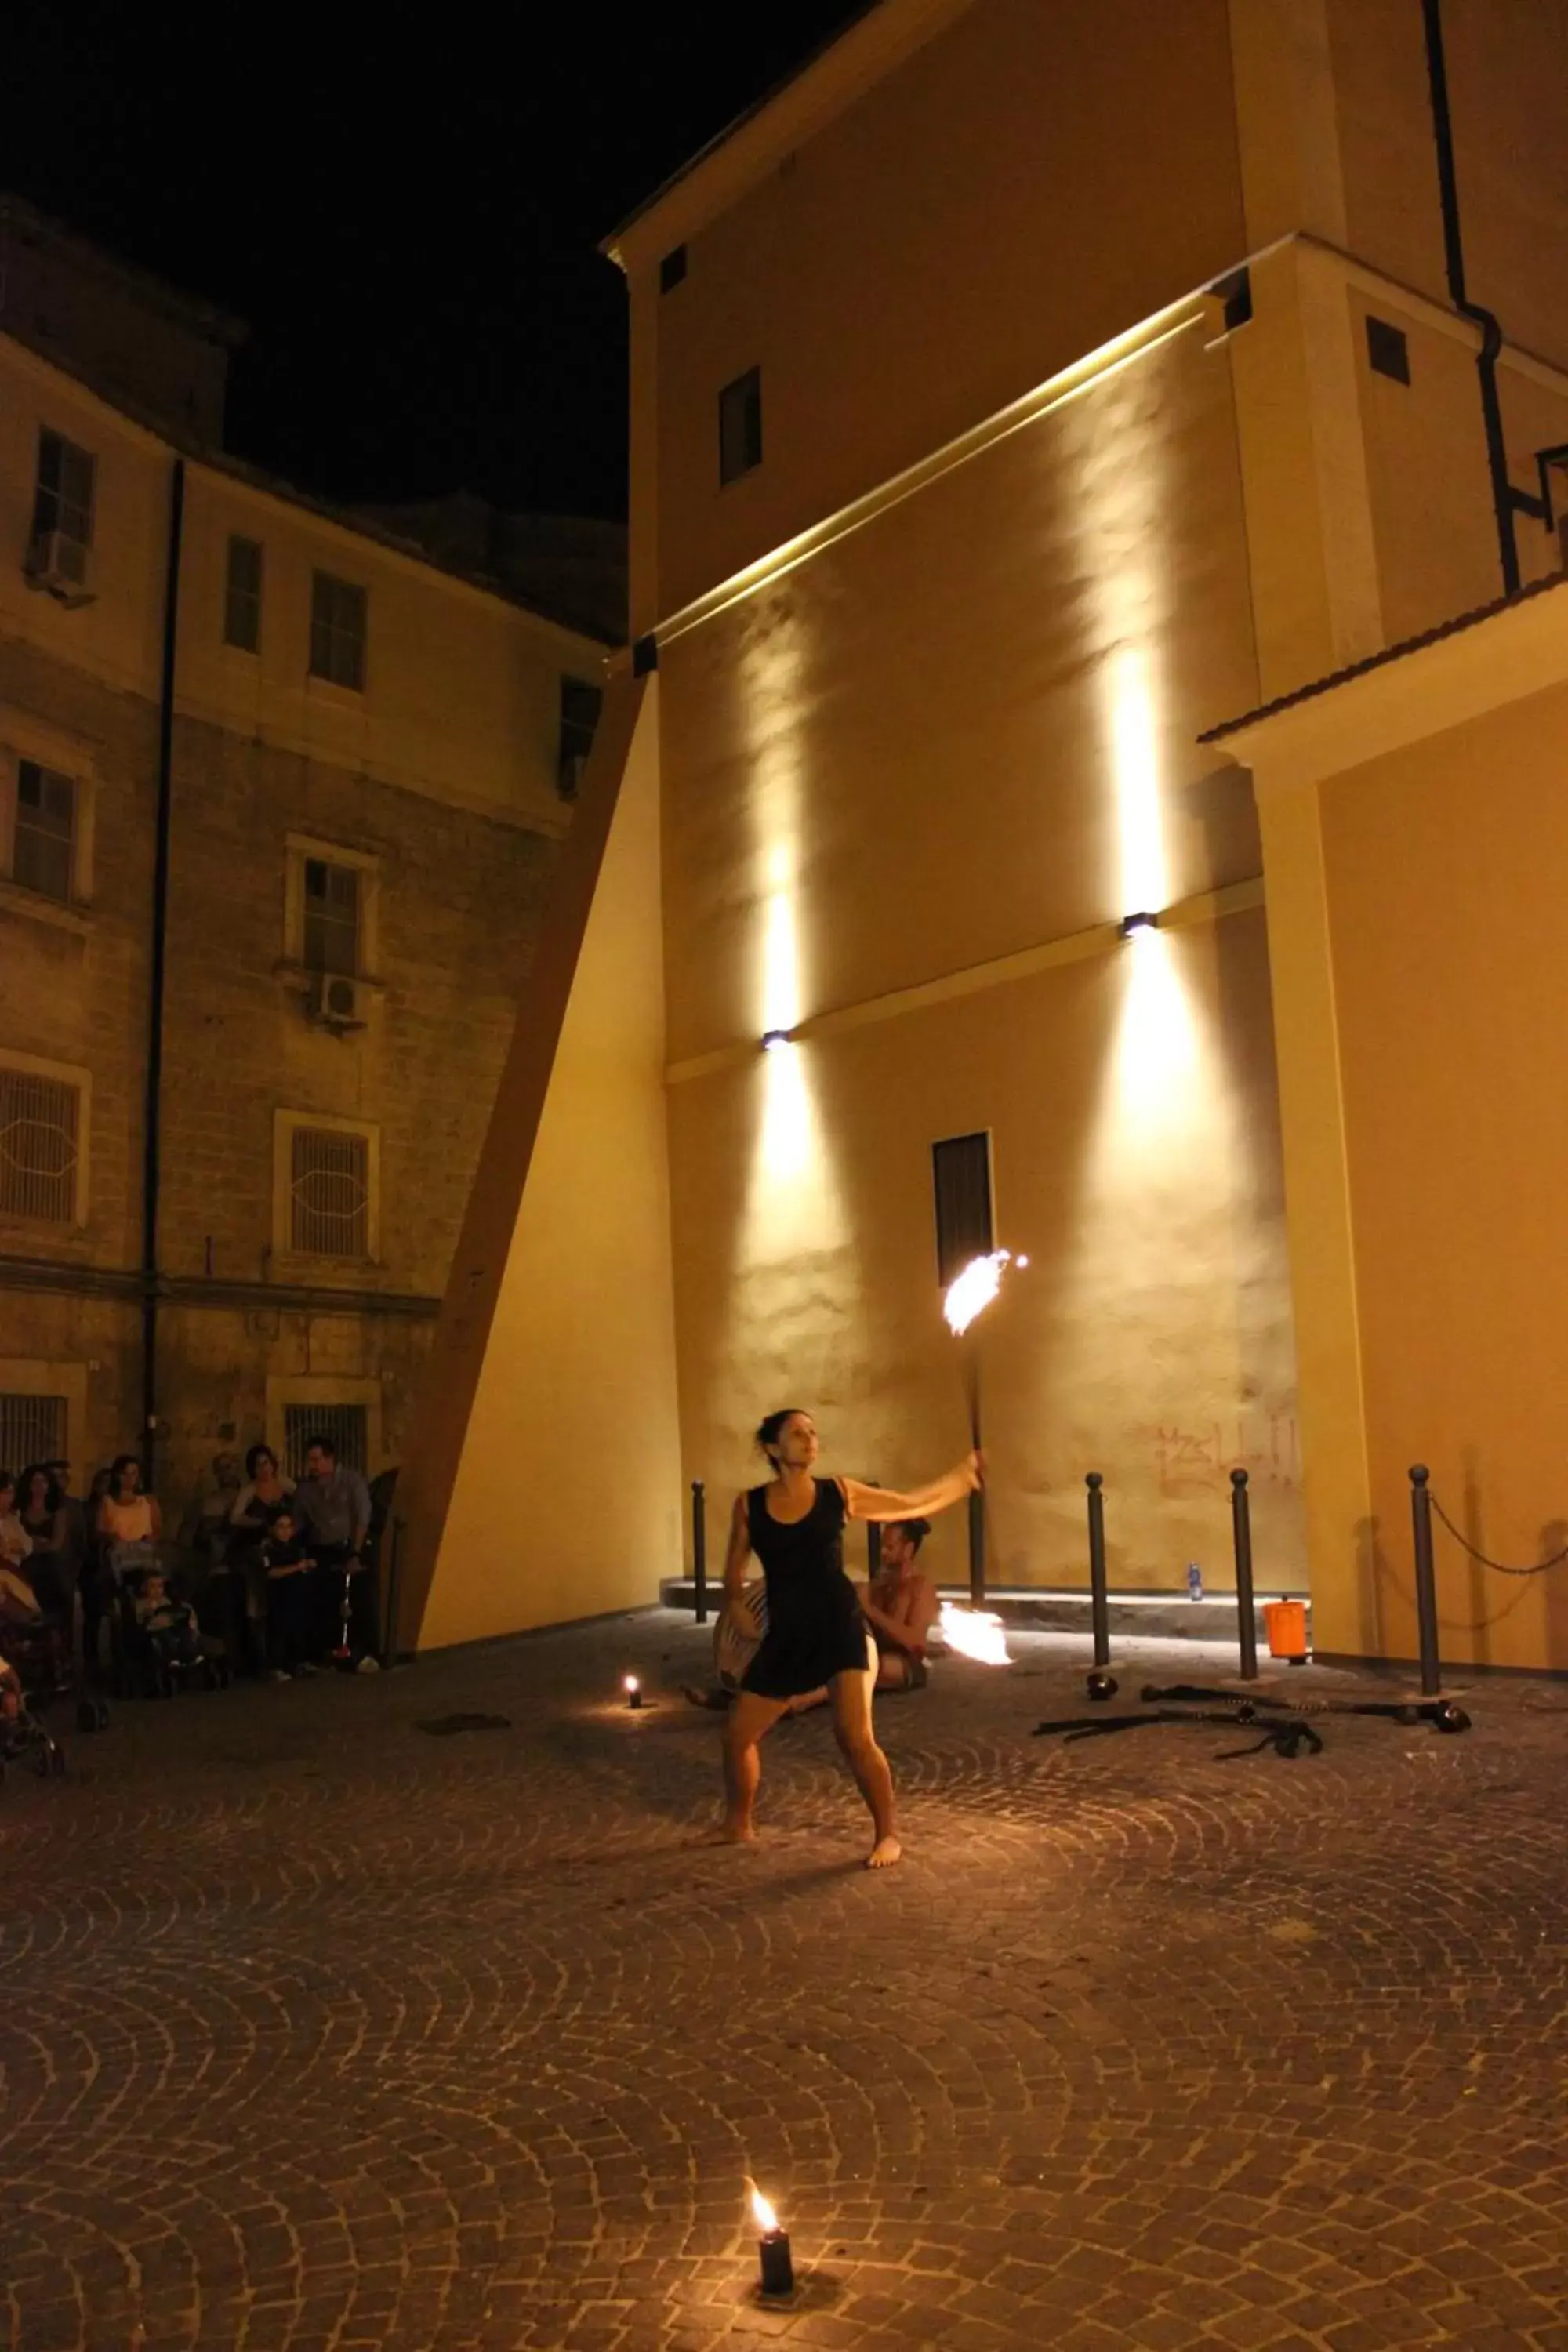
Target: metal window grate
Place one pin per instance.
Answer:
(62, 500)
(242, 596)
(39, 1120)
(42, 856)
(329, 1193)
(346, 1427)
(337, 631)
(32, 1429)
(961, 1173)
(332, 917)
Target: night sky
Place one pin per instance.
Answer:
(408, 220)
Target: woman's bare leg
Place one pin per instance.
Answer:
(749, 1719)
(852, 1729)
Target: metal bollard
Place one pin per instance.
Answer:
(389, 1617)
(977, 1548)
(1246, 1607)
(1426, 1580)
(1102, 1685)
(700, 1547)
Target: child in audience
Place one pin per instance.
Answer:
(292, 1600)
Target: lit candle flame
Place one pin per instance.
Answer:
(976, 1634)
(762, 2213)
(631, 1683)
(973, 1290)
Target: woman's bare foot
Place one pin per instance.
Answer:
(736, 1833)
(884, 1853)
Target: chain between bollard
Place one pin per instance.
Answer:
(1499, 1567)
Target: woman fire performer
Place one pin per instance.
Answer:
(794, 1525)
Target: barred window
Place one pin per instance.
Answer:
(337, 631)
(346, 1428)
(332, 917)
(741, 426)
(961, 1176)
(32, 1429)
(39, 1122)
(242, 594)
(329, 1191)
(43, 852)
(62, 498)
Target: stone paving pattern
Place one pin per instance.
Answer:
(319, 2033)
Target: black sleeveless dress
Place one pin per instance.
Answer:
(815, 1626)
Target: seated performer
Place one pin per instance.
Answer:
(900, 1606)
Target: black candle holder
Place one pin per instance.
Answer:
(777, 2263)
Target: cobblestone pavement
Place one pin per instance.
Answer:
(319, 2031)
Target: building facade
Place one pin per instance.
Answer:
(278, 799)
(1018, 395)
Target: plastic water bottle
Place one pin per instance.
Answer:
(1194, 1581)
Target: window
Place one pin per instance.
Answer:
(346, 1428)
(43, 854)
(332, 917)
(242, 596)
(961, 1173)
(40, 1121)
(62, 500)
(32, 1429)
(740, 425)
(328, 1193)
(337, 631)
(672, 270)
(1388, 350)
(579, 707)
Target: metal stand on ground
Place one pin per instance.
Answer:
(1426, 1580)
(1245, 1609)
(699, 1549)
(1101, 1684)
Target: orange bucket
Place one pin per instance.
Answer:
(1286, 1625)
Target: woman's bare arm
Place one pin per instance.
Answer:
(881, 1503)
(737, 1553)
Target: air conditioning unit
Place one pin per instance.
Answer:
(61, 566)
(336, 1000)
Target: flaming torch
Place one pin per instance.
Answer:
(976, 1634)
(772, 2248)
(966, 1297)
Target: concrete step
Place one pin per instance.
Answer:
(1152, 1616)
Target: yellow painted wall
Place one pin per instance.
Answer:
(963, 232)
(1447, 867)
(967, 729)
(562, 1497)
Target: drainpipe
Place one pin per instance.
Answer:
(151, 1162)
(1506, 500)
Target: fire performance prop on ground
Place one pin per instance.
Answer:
(1281, 1723)
(967, 1296)
(976, 1634)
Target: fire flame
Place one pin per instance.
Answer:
(974, 1289)
(762, 2213)
(631, 1683)
(976, 1634)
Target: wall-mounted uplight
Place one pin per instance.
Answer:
(1130, 923)
(772, 1039)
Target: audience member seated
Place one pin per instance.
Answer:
(33, 1640)
(41, 1507)
(168, 1624)
(333, 1504)
(208, 1527)
(93, 1574)
(294, 1612)
(900, 1606)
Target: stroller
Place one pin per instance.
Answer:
(24, 1735)
(155, 1652)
